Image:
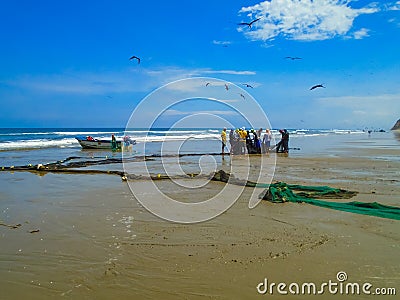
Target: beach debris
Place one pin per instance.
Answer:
(40, 167)
(135, 57)
(249, 24)
(226, 87)
(34, 231)
(207, 84)
(11, 226)
(316, 86)
(124, 178)
(241, 95)
(280, 221)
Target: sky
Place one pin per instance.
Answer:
(67, 63)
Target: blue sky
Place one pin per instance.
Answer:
(66, 63)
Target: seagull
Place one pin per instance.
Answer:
(241, 95)
(293, 57)
(226, 87)
(249, 24)
(135, 57)
(207, 83)
(247, 85)
(317, 86)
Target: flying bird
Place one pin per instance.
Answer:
(135, 57)
(226, 87)
(317, 86)
(247, 85)
(293, 57)
(249, 24)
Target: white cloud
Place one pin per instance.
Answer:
(84, 83)
(374, 106)
(360, 112)
(184, 73)
(174, 112)
(229, 101)
(379, 110)
(100, 83)
(303, 19)
(394, 21)
(395, 6)
(215, 42)
(359, 101)
(360, 34)
(229, 72)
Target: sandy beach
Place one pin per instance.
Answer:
(163, 150)
(86, 237)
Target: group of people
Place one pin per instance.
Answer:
(244, 141)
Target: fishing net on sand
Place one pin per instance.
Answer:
(280, 192)
(276, 192)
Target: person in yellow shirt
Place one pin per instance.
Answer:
(243, 135)
(223, 140)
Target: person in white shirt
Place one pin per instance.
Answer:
(266, 141)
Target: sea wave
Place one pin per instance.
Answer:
(38, 143)
(24, 133)
(166, 138)
(31, 139)
(83, 132)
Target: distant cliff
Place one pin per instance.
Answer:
(397, 125)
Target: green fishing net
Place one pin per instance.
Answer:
(282, 192)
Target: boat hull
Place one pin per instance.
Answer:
(97, 144)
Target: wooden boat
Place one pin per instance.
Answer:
(90, 143)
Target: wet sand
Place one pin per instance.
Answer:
(95, 241)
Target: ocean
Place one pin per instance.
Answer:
(22, 146)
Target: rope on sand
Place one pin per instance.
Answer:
(276, 192)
